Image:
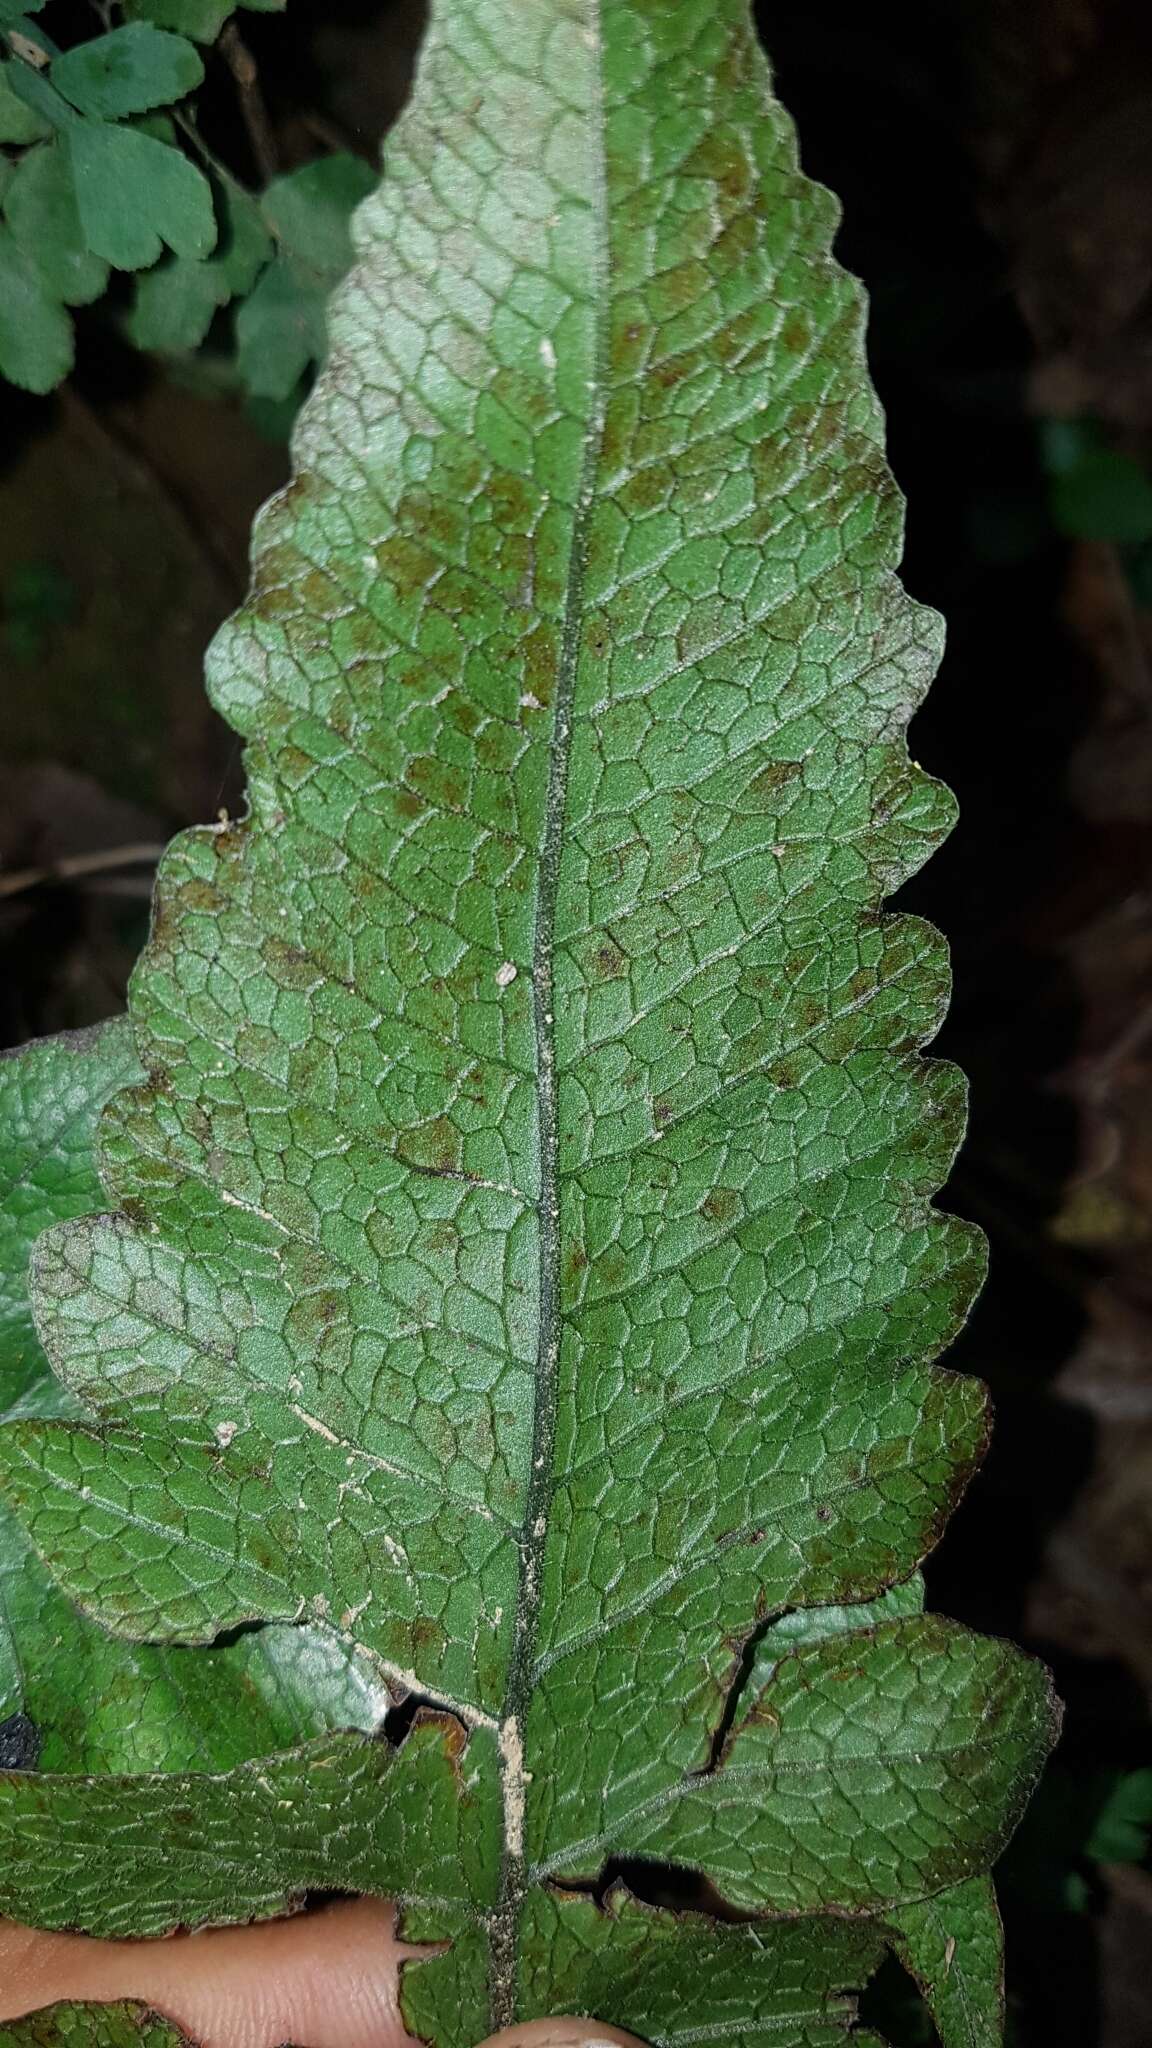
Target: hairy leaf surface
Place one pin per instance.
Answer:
(523, 1261)
(88, 2026)
(72, 1697)
(953, 1946)
(51, 1095)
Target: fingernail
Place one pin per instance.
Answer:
(562, 2033)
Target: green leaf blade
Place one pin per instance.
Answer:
(493, 1193)
(19, 123)
(308, 211)
(176, 301)
(870, 1768)
(88, 2026)
(127, 71)
(533, 1175)
(200, 19)
(156, 1852)
(771, 1982)
(136, 194)
(280, 331)
(72, 1699)
(36, 346)
(42, 212)
(953, 1945)
(50, 1097)
(175, 304)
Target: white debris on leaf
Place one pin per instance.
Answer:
(515, 1780)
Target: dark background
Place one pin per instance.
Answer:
(995, 167)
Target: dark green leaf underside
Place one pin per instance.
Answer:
(88, 2026)
(75, 1698)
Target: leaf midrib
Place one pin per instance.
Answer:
(514, 1878)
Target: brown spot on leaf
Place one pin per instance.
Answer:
(787, 1072)
(721, 159)
(288, 966)
(440, 782)
(321, 594)
(433, 1147)
(774, 776)
(539, 653)
(198, 895)
(462, 714)
(428, 1637)
(407, 565)
(614, 1268)
(645, 489)
(796, 333)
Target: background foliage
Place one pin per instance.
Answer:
(107, 167)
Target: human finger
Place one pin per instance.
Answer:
(324, 1979)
